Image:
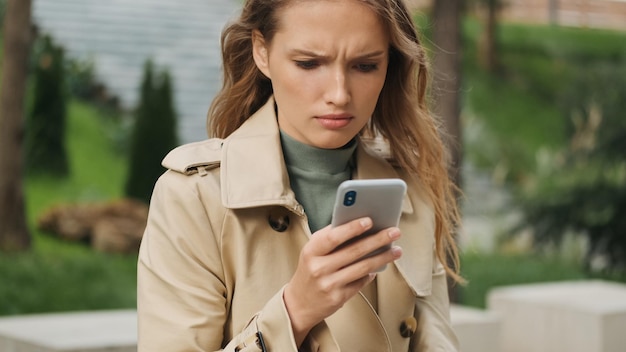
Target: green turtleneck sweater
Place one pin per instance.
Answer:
(314, 175)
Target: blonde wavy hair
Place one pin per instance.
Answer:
(401, 116)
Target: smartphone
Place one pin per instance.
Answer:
(379, 199)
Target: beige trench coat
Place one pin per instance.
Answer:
(224, 235)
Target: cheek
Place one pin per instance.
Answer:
(371, 89)
(293, 82)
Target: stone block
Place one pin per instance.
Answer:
(477, 330)
(98, 331)
(573, 316)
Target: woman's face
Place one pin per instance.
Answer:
(327, 62)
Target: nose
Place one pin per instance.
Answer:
(338, 92)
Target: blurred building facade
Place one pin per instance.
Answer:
(607, 14)
(118, 36)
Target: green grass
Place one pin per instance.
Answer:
(565, 42)
(517, 123)
(63, 277)
(97, 167)
(56, 275)
(523, 107)
(485, 271)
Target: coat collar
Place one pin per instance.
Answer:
(253, 171)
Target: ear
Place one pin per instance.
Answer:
(260, 53)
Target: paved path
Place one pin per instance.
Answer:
(119, 35)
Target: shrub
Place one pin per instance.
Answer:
(154, 133)
(45, 130)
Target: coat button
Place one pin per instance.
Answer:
(279, 221)
(408, 327)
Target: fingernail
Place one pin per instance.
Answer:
(366, 222)
(394, 234)
(396, 251)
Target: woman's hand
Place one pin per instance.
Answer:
(326, 278)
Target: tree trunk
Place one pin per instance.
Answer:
(447, 83)
(488, 45)
(14, 234)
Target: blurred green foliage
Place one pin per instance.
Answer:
(154, 133)
(550, 124)
(512, 117)
(56, 275)
(45, 148)
(81, 79)
(581, 188)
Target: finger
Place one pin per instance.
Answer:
(366, 246)
(357, 285)
(368, 265)
(329, 238)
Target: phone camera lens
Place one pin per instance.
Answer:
(349, 198)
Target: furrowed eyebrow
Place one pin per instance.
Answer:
(371, 55)
(309, 53)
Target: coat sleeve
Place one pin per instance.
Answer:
(436, 333)
(182, 302)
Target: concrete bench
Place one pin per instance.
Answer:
(96, 331)
(572, 316)
(115, 331)
(477, 330)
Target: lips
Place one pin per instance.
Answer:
(334, 121)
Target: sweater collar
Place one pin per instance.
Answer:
(312, 159)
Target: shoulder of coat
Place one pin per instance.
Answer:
(379, 148)
(197, 157)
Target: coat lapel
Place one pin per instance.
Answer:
(416, 224)
(355, 317)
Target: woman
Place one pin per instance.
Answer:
(238, 254)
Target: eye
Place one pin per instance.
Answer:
(366, 67)
(307, 64)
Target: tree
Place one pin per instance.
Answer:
(488, 44)
(488, 41)
(45, 132)
(14, 234)
(448, 76)
(154, 134)
(447, 82)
